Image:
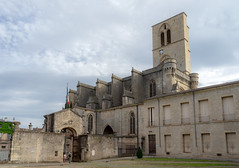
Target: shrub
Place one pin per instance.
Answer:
(139, 153)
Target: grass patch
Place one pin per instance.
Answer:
(194, 164)
(179, 160)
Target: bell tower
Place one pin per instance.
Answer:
(171, 40)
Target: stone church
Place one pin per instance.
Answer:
(161, 110)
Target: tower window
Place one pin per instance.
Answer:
(90, 123)
(164, 26)
(162, 39)
(152, 88)
(132, 123)
(168, 36)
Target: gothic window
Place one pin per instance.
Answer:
(168, 36)
(152, 88)
(132, 123)
(90, 123)
(162, 39)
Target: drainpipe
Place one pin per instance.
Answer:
(137, 111)
(96, 122)
(159, 122)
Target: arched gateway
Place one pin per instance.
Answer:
(71, 143)
(108, 130)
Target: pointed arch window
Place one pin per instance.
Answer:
(162, 39)
(152, 88)
(168, 36)
(90, 123)
(132, 123)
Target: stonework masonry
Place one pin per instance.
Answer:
(29, 146)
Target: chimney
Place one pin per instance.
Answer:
(30, 126)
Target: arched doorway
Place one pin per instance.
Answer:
(71, 143)
(108, 130)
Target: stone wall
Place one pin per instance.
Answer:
(29, 146)
(99, 146)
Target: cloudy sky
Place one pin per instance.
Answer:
(45, 44)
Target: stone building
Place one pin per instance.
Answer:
(161, 109)
(6, 131)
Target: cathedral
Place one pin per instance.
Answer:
(161, 109)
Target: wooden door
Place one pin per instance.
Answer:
(152, 144)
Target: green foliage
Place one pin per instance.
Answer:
(139, 153)
(6, 127)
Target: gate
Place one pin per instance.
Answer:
(127, 149)
(76, 150)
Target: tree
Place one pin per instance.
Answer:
(139, 153)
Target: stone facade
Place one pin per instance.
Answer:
(29, 146)
(98, 147)
(160, 109)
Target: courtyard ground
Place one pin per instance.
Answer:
(132, 163)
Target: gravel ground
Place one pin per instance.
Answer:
(111, 163)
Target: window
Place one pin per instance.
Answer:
(231, 142)
(206, 147)
(187, 143)
(167, 115)
(204, 111)
(168, 145)
(152, 88)
(162, 39)
(228, 108)
(168, 36)
(185, 113)
(132, 123)
(90, 123)
(151, 116)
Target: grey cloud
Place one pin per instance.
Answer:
(45, 44)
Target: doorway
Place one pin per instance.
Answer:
(71, 144)
(152, 145)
